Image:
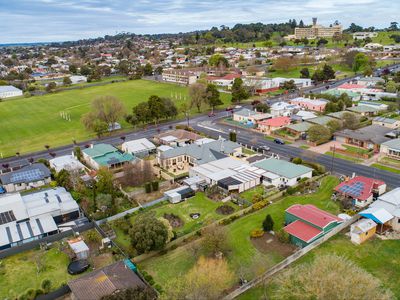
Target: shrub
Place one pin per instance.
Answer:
(46, 285)
(30, 294)
(257, 198)
(268, 223)
(259, 205)
(155, 186)
(147, 187)
(256, 233)
(297, 161)
(282, 236)
(291, 190)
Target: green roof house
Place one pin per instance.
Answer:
(104, 155)
(280, 172)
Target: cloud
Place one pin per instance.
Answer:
(57, 20)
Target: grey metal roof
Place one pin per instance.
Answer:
(392, 144)
(203, 153)
(8, 88)
(245, 112)
(385, 120)
(27, 174)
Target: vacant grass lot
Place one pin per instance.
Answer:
(380, 258)
(243, 256)
(20, 272)
(30, 123)
(198, 204)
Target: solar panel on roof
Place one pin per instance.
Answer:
(7, 217)
(28, 176)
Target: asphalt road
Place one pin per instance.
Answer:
(208, 125)
(336, 165)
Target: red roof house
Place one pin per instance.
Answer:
(267, 126)
(307, 223)
(361, 189)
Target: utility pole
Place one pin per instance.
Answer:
(333, 158)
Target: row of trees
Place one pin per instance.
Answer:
(201, 93)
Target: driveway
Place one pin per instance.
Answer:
(326, 147)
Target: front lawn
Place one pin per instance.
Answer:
(356, 150)
(342, 156)
(243, 256)
(386, 168)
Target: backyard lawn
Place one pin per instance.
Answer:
(20, 272)
(243, 254)
(378, 257)
(30, 123)
(198, 204)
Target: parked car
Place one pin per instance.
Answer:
(264, 147)
(279, 141)
(2, 190)
(230, 108)
(211, 115)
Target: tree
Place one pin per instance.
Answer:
(212, 96)
(391, 87)
(148, 70)
(329, 277)
(72, 69)
(51, 86)
(348, 58)
(232, 136)
(85, 70)
(268, 223)
(105, 181)
(354, 28)
(284, 63)
(322, 42)
(304, 73)
(217, 60)
(206, 280)
(328, 72)
(350, 121)
(104, 110)
(197, 94)
(361, 61)
(214, 240)
(170, 109)
(142, 112)
(319, 134)
(138, 293)
(289, 86)
(148, 233)
(63, 179)
(67, 81)
(262, 107)
(239, 93)
(156, 108)
(334, 125)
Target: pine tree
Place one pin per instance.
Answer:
(268, 223)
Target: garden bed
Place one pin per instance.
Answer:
(269, 243)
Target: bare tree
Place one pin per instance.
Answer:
(197, 94)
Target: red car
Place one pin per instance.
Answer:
(230, 108)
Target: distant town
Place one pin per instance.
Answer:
(259, 161)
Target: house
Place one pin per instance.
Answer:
(340, 114)
(31, 176)
(310, 104)
(370, 81)
(282, 173)
(25, 218)
(139, 148)
(324, 120)
(307, 223)
(373, 46)
(230, 174)
(175, 138)
(223, 81)
(105, 281)
(391, 148)
(386, 122)
(181, 159)
(377, 106)
(299, 128)
(270, 125)
(105, 155)
(249, 116)
(363, 110)
(385, 211)
(283, 109)
(364, 35)
(66, 162)
(299, 82)
(179, 194)
(362, 231)
(305, 115)
(75, 79)
(361, 190)
(370, 137)
(9, 91)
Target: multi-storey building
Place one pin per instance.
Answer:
(317, 31)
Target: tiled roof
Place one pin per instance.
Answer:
(312, 215)
(276, 122)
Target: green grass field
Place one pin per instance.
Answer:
(341, 156)
(378, 257)
(19, 272)
(30, 123)
(386, 168)
(243, 255)
(198, 204)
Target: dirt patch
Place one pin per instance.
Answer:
(174, 220)
(225, 210)
(102, 260)
(269, 242)
(216, 196)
